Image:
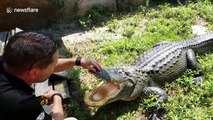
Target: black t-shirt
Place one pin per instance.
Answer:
(17, 99)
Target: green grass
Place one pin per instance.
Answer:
(141, 29)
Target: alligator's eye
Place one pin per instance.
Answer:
(127, 73)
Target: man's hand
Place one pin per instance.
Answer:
(57, 112)
(49, 94)
(91, 65)
(47, 98)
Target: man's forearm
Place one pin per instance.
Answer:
(64, 64)
(57, 109)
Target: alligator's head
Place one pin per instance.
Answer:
(118, 84)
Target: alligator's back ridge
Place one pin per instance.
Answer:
(165, 62)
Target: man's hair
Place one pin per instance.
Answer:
(25, 50)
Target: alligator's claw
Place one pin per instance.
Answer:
(156, 114)
(198, 81)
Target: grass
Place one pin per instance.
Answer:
(141, 29)
(188, 101)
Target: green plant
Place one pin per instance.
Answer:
(96, 16)
(150, 101)
(205, 11)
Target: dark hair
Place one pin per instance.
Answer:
(27, 49)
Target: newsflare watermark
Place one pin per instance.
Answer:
(22, 10)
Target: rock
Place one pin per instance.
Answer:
(199, 29)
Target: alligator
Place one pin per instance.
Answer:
(163, 63)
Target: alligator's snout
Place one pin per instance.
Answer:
(102, 94)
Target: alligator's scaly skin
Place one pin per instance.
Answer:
(163, 63)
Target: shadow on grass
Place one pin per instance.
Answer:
(113, 110)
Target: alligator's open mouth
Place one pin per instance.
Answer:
(101, 94)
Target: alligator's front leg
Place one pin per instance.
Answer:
(162, 97)
(194, 65)
(157, 91)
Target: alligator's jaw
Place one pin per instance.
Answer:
(103, 93)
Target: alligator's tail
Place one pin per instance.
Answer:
(201, 44)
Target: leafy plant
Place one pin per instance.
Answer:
(96, 16)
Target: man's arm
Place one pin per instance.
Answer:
(67, 63)
(64, 64)
(57, 112)
(57, 109)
